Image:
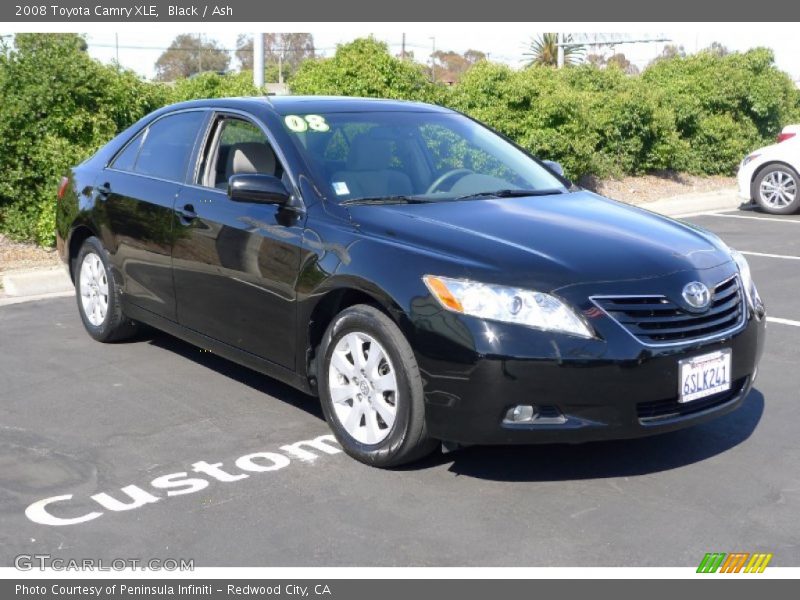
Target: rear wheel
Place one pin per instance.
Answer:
(98, 295)
(775, 189)
(371, 389)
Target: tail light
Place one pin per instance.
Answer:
(62, 187)
(783, 136)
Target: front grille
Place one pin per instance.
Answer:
(656, 320)
(670, 408)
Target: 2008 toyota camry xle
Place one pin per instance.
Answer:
(427, 278)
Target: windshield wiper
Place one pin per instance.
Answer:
(509, 193)
(385, 200)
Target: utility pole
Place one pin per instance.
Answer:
(560, 52)
(258, 60)
(280, 66)
(403, 48)
(433, 60)
(116, 45)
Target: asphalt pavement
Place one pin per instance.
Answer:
(212, 467)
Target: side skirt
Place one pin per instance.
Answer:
(231, 353)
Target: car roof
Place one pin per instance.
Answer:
(286, 105)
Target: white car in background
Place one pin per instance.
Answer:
(769, 176)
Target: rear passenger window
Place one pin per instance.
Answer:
(168, 145)
(126, 159)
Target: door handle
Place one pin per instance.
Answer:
(187, 213)
(103, 191)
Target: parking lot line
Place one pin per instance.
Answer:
(783, 321)
(730, 216)
(767, 255)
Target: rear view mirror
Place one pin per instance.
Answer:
(258, 188)
(554, 166)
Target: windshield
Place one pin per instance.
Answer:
(422, 156)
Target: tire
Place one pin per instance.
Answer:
(776, 189)
(98, 295)
(380, 427)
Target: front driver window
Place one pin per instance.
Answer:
(238, 147)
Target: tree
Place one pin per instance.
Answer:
(669, 52)
(717, 49)
(288, 50)
(450, 66)
(621, 61)
(189, 54)
(364, 67)
(617, 60)
(596, 60)
(544, 51)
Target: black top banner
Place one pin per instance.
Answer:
(87, 11)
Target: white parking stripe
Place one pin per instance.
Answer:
(730, 216)
(699, 213)
(783, 321)
(765, 255)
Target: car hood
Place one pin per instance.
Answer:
(546, 241)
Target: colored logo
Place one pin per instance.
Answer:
(735, 562)
(696, 294)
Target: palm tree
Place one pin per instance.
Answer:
(544, 51)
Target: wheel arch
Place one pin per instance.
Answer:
(333, 301)
(769, 163)
(78, 235)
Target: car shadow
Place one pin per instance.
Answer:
(257, 381)
(599, 460)
(533, 463)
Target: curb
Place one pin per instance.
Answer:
(9, 300)
(35, 282)
(692, 204)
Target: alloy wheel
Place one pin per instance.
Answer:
(778, 189)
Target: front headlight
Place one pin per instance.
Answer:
(506, 304)
(753, 299)
(749, 158)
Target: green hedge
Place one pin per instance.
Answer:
(58, 106)
(699, 114)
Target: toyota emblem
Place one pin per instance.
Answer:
(696, 295)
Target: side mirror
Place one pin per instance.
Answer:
(257, 188)
(554, 166)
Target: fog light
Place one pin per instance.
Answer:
(520, 413)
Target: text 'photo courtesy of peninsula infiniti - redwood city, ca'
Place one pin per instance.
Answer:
(429, 280)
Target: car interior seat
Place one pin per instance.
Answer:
(368, 171)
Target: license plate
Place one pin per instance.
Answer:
(704, 375)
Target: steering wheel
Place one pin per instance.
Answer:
(446, 177)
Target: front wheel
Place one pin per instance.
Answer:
(99, 296)
(371, 389)
(775, 189)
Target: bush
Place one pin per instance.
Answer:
(723, 106)
(214, 85)
(364, 68)
(700, 113)
(58, 107)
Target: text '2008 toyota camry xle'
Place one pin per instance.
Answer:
(427, 278)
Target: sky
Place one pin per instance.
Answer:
(139, 48)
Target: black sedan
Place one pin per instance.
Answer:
(424, 276)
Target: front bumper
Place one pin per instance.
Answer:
(744, 180)
(610, 388)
